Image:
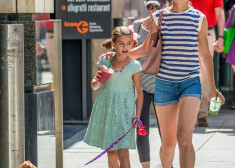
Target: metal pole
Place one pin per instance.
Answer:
(57, 87)
(84, 80)
(11, 95)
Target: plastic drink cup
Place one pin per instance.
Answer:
(106, 73)
(215, 105)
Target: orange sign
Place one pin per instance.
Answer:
(63, 7)
(82, 26)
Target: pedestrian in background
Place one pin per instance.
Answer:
(213, 9)
(117, 103)
(228, 4)
(231, 54)
(142, 27)
(177, 86)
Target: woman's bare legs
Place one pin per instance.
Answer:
(113, 159)
(168, 120)
(123, 156)
(188, 110)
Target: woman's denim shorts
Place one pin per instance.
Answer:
(170, 92)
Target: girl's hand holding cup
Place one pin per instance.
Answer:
(104, 74)
(95, 83)
(98, 75)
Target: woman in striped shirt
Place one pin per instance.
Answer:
(177, 86)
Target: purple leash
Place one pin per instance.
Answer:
(139, 124)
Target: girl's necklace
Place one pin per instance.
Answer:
(116, 70)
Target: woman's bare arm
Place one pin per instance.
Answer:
(142, 50)
(206, 59)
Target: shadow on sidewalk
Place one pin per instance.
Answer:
(70, 130)
(224, 123)
(77, 137)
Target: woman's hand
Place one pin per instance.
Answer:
(214, 93)
(107, 55)
(219, 45)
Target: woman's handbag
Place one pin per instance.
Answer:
(153, 61)
(229, 35)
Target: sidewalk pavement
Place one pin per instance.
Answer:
(214, 146)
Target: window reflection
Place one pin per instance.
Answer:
(45, 48)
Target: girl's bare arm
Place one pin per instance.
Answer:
(138, 93)
(206, 59)
(95, 84)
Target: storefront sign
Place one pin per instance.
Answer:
(84, 18)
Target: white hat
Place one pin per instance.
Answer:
(157, 2)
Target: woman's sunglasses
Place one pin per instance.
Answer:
(151, 7)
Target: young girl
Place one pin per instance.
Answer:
(177, 86)
(117, 103)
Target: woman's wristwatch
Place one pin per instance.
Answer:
(221, 37)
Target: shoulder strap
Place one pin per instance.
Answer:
(139, 26)
(160, 19)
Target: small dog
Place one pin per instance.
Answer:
(27, 164)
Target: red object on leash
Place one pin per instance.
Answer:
(142, 131)
(140, 126)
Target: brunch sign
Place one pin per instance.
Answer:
(84, 18)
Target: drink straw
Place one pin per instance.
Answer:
(217, 95)
(111, 61)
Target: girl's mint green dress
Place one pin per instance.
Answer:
(114, 109)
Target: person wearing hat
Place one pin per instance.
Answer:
(142, 27)
(158, 3)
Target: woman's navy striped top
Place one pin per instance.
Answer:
(179, 44)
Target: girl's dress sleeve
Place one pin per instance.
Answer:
(136, 67)
(103, 61)
(230, 19)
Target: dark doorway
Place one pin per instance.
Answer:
(72, 79)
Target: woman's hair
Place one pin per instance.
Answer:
(169, 2)
(117, 32)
